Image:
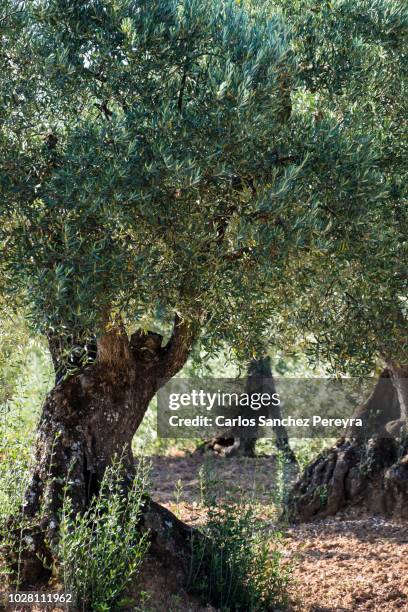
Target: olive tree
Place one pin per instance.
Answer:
(163, 165)
(348, 298)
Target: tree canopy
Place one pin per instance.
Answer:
(238, 166)
(352, 296)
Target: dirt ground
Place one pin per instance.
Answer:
(345, 564)
(340, 565)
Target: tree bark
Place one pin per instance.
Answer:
(400, 378)
(86, 420)
(366, 473)
(259, 380)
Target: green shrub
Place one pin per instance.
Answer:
(238, 565)
(102, 550)
(308, 449)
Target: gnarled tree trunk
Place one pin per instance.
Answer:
(259, 380)
(87, 419)
(369, 473)
(400, 378)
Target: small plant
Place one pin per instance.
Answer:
(237, 565)
(280, 484)
(143, 599)
(102, 550)
(321, 493)
(178, 492)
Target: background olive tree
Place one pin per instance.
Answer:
(346, 302)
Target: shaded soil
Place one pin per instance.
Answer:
(176, 481)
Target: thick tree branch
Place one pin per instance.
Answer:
(104, 109)
(164, 362)
(182, 88)
(176, 352)
(113, 344)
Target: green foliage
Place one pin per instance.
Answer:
(349, 295)
(14, 473)
(18, 417)
(238, 566)
(101, 550)
(25, 376)
(13, 342)
(161, 115)
(281, 480)
(245, 167)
